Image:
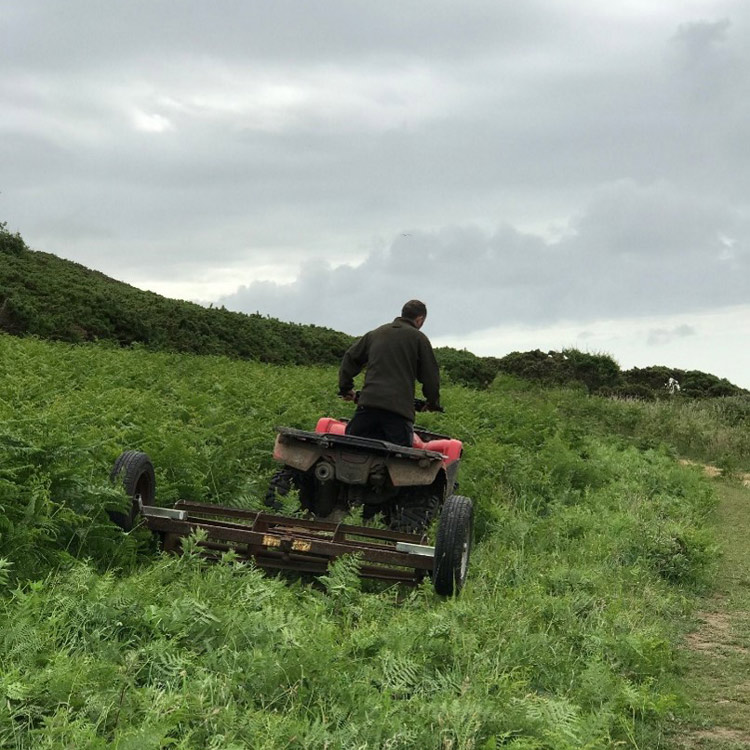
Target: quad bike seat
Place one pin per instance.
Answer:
(448, 447)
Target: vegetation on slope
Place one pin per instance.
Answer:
(588, 546)
(46, 296)
(601, 375)
(714, 431)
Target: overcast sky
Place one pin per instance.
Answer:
(542, 174)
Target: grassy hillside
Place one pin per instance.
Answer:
(46, 296)
(589, 548)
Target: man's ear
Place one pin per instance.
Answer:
(419, 320)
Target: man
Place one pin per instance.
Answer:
(395, 355)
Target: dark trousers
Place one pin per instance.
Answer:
(380, 424)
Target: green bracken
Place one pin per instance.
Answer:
(591, 546)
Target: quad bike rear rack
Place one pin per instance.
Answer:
(276, 542)
(354, 443)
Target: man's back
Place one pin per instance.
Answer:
(395, 354)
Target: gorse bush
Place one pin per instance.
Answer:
(588, 548)
(601, 375)
(693, 383)
(465, 368)
(594, 371)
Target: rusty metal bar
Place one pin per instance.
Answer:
(282, 543)
(287, 537)
(266, 559)
(270, 518)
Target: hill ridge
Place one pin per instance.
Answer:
(44, 295)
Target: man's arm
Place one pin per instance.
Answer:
(354, 360)
(428, 373)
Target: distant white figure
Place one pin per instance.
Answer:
(672, 386)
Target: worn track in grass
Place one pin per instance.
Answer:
(717, 651)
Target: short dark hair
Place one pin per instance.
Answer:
(413, 309)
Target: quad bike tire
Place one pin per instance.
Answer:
(281, 483)
(453, 545)
(413, 513)
(135, 472)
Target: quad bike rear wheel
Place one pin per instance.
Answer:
(453, 545)
(413, 512)
(282, 482)
(135, 472)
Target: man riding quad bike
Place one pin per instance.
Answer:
(377, 459)
(408, 485)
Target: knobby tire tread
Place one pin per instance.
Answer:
(456, 523)
(281, 482)
(413, 515)
(128, 470)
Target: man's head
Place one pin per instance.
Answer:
(415, 311)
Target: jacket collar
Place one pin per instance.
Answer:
(405, 320)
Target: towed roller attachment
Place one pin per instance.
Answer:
(276, 542)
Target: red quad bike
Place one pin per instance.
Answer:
(332, 472)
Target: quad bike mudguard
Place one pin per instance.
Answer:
(353, 459)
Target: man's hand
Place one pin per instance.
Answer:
(421, 405)
(348, 395)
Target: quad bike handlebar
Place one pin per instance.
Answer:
(421, 405)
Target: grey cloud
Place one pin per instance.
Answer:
(278, 31)
(409, 117)
(700, 36)
(473, 279)
(662, 336)
(630, 220)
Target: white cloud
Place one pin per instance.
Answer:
(151, 123)
(716, 344)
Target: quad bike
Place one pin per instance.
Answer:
(332, 472)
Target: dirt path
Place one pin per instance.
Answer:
(715, 471)
(717, 652)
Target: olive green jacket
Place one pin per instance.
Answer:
(395, 355)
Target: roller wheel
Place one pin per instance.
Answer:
(135, 472)
(453, 545)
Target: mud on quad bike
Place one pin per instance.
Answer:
(332, 472)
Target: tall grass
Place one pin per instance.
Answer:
(588, 552)
(715, 430)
